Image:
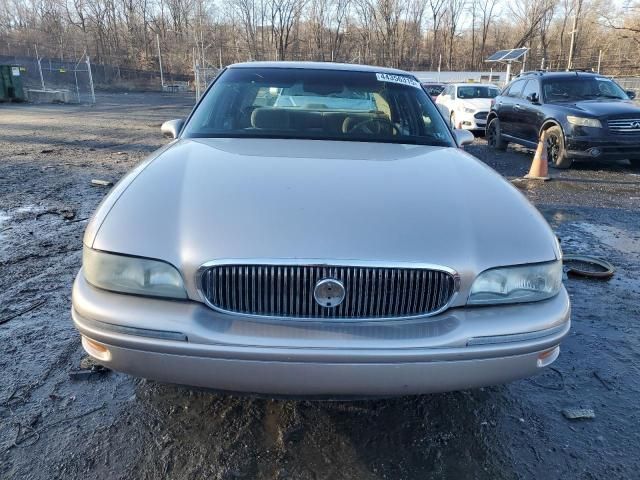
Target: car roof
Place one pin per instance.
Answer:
(351, 67)
(574, 74)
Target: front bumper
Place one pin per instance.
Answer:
(468, 121)
(609, 147)
(188, 343)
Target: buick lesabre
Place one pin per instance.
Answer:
(315, 229)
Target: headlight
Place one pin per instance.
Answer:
(140, 276)
(525, 283)
(468, 110)
(584, 122)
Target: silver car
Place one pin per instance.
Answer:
(314, 229)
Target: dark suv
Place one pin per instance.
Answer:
(585, 115)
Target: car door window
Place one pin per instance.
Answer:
(515, 90)
(531, 87)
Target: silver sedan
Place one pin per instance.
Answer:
(315, 230)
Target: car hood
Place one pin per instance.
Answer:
(605, 108)
(210, 199)
(477, 103)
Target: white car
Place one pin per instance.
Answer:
(467, 104)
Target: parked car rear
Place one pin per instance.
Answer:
(585, 115)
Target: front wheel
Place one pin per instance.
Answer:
(494, 135)
(556, 150)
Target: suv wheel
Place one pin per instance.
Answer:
(556, 152)
(494, 137)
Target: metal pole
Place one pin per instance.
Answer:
(93, 93)
(39, 67)
(572, 44)
(160, 61)
(599, 60)
(578, 7)
(542, 64)
(573, 35)
(439, 65)
(195, 71)
(75, 74)
(508, 75)
(204, 64)
(220, 58)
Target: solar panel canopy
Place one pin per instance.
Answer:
(497, 56)
(507, 55)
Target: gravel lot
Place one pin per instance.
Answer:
(54, 425)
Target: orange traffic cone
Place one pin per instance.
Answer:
(540, 166)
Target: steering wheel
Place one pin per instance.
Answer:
(374, 126)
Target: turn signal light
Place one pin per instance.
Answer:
(96, 349)
(548, 356)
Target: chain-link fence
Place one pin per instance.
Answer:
(79, 79)
(46, 75)
(203, 78)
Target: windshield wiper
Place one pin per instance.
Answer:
(602, 95)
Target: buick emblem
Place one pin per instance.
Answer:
(635, 124)
(329, 292)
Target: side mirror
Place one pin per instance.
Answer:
(631, 94)
(463, 137)
(533, 97)
(171, 128)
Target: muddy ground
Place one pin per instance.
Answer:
(113, 426)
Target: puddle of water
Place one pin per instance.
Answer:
(29, 209)
(618, 238)
(557, 217)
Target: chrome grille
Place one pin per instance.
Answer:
(627, 126)
(288, 290)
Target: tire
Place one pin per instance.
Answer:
(556, 152)
(494, 136)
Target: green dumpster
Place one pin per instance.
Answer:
(11, 84)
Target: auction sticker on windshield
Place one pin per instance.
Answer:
(387, 77)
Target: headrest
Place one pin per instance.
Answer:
(270, 118)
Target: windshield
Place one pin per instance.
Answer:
(581, 88)
(320, 105)
(433, 89)
(477, 92)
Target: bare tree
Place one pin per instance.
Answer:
(453, 11)
(410, 34)
(487, 12)
(436, 7)
(284, 15)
